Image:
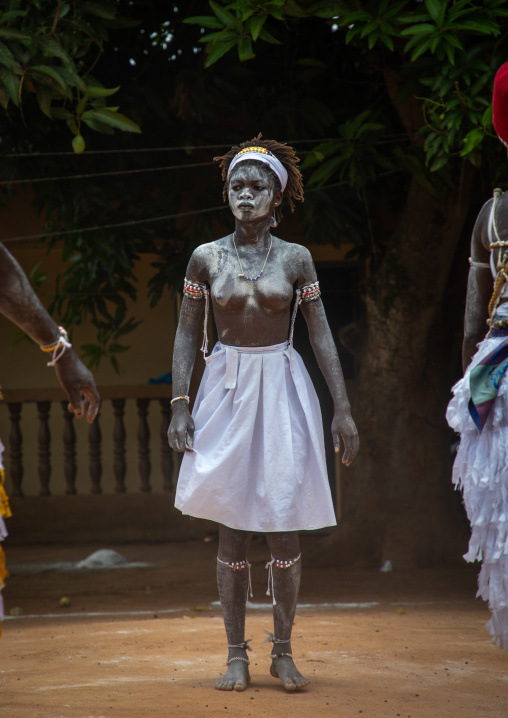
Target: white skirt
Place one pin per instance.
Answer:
(258, 462)
(481, 471)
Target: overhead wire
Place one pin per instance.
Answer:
(104, 174)
(162, 218)
(176, 148)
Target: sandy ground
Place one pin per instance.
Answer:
(149, 641)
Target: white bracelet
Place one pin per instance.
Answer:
(177, 398)
(59, 347)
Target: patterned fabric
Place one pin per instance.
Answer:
(484, 381)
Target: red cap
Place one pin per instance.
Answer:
(500, 103)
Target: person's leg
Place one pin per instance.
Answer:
(284, 584)
(233, 584)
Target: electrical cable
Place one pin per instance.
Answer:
(180, 148)
(103, 174)
(137, 222)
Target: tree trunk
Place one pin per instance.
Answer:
(399, 500)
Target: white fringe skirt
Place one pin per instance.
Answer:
(258, 462)
(481, 471)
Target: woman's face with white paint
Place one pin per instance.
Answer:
(251, 192)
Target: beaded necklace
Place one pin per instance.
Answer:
(242, 274)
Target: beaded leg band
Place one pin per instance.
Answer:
(239, 566)
(238, 658)
(271, 638)
(278, 563)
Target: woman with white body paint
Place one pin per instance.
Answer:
(254, 455)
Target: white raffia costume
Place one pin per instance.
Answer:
(481, 471)
(258, 462)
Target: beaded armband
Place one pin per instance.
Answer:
(308, 293)
(198, 291)
(194, 290)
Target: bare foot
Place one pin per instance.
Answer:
(236, 678)
(285, 670)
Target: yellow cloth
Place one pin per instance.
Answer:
(5, 509)
(4, 573)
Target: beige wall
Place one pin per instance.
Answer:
(24, 367)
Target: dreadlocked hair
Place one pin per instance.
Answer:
(285, 154)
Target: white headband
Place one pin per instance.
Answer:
(261, 154)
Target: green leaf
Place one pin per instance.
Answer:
(224, 16)
(205, 21)
(51, 48)
(435, 8)
(60, 113)
(351, 17)
(50, 72)
(10, 34)
(268, 37)
(11, 83)
(487, 116)
(96, 91)
(487, 28)
(388, 41)
(420, 49)
(256, 25)
(93, 8)
(219, 50)
(423, 28)
(44, 98)
(8, 60)
(471, 141)
(438, 163)
(245, 49)
(13, 14)
(112, 119)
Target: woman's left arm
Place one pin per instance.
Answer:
(328, 360)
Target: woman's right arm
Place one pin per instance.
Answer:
(181, 428)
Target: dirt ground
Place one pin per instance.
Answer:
(148, 641)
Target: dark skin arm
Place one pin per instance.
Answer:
(19, 303)
(325, 351)
(479, 288)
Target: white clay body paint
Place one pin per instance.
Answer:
(250, 194)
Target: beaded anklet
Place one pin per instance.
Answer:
(273, 639)
(238, 658)
(239, 566)
(279, 563)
